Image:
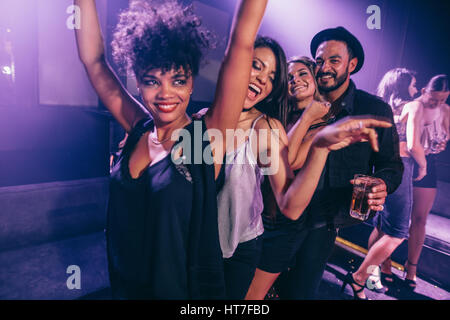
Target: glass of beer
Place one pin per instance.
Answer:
(362, 186)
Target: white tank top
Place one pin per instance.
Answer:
(240, 200)
(433, 132)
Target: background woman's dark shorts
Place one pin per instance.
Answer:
(430, 180)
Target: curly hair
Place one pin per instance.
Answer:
(151, 34)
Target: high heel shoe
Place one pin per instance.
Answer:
(408, 283)
(349, 280)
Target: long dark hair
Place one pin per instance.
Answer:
(393, 87)
(275, 105)
(437, 83)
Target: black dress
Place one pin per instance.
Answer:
(162, 233)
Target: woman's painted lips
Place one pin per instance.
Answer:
(166, 107)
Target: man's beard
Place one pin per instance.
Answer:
(339, 81)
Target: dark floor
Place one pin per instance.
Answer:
(438, 227)
(342, 261)
(47, 228)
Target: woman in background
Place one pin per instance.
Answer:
(433, 120)
(397, 88)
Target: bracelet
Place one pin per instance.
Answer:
(323, 123)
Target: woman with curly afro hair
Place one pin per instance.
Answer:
(162, 233)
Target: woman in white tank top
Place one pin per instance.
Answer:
(434, 134)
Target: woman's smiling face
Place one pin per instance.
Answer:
(262, 76)
(166, 94)
(301, 82)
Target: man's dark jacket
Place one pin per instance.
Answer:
(331, 202)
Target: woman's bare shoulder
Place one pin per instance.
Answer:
(412, 106)
(269, 123)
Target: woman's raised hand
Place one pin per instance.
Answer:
(348, 131)
(317, 110)
(125, 109)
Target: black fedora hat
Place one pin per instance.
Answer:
(340, 34)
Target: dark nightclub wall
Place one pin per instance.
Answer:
(52, 129)
(52, 144)
(50, 126)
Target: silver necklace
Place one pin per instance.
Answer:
(156, 141)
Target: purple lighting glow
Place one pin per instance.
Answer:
(294, 24)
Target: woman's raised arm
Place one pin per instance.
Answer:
(234, 75)
(125, 109)
(446, 119)
(293, 196)
(298, 144)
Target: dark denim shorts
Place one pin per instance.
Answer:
(394, 219)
